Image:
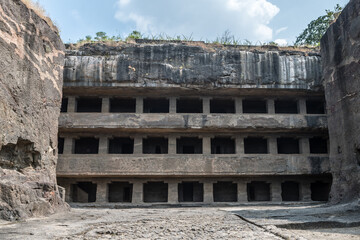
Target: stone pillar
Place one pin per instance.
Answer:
(302, 106)
(271, 106)
(102, 191)
(242, 191)
(239, 142)
(172, 103)
(137, 196)
(206, 105)
(172, 192)
(272, 143)
(105, 105)
(172, 145)
(238, 106)
(138, 147)
(67, 187)
(139, 105)
(208, 192)
(71, 104)
(305, 191)
(304, 146)
(275, 187)
(103, 145)
(206, 145)
(68, 145)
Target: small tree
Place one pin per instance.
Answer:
(134, 35)
(101, 36)
(317, 28)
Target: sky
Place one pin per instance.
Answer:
(258, 21)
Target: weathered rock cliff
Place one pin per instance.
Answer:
(194, 64)
(31, 60)
(340, 49)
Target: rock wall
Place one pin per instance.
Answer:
(191, 64)
(31, 60)
(340, 50)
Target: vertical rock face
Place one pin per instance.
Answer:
(31, 61)
(340, 48)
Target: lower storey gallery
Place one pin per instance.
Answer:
(203, 190)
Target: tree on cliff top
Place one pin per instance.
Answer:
(317, 28)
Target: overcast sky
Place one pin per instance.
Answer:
(254, 20)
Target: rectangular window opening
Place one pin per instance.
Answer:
(120, 192)
(254, 106)
(258, 191)
(84, 192)
(155, 192)
(222, 106)
(315, 107)
(286, 106)
(287, 145)
(189, 105)
(225, 192)
(155, 145)
(121, 145)
(222, 145)
(122, 105)
(255, 145)
(64, 105)
(290, 191)
(190, 192)
(320, 191)
(318, 145)
(87, 145)
(189, 145)
(156, 105)
(61, 142)
(88, 104)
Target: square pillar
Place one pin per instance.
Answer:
(302, 106)
(206, 145)
(271, 106)
(272, 141)
(103, 145)
(172, 104)
(137, 195)
(208, 192)
(68, 145)
(172, 145)
(239, 144)
(206, 105)
(67, 187)
(275, 187)
(304, 146)
(242, 191)
(173, 192)
(305, 191)
(138, 147)
(71, 104)
(102, 191)
(238, 106)
(139, 105)
(105, 105)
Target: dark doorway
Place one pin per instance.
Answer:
(189, 105)
(61, 142)
(320, 191)
(315, 107)
(120, 192)
(122, 105)
(189, 145)
(287, 145)
(318, 145)
(258, 191)
(256, 145)
(290, 191)
(156, 105)
(86, 145)
(225, 192)
(64, 105)
(154, 145)
(121, 145)
(85, 104)
(222, 145)
(155, 192)
(222, 106)
(190, 192)
(254, 106)
(286, 106)
(84, 192)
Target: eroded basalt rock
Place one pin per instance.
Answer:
(340, 49)
(31, 60)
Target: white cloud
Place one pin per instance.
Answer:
(203, 19)
(280, 30)
(281, 42)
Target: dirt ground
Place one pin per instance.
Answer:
(240, 222)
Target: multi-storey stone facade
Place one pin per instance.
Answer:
(165, 122)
